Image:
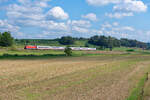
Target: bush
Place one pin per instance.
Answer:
(130, 50)
(68, 51)
(16, 55)
(6, 54)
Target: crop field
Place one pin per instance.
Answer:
(102, 77)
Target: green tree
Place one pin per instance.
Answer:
(6, 39)
(103, 42)
(66, 40)
(87, 45)
(110, 43)
(68, 51)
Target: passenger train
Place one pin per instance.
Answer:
(57, 48)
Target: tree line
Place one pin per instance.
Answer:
(111, 42)
(105, 42)
(101, 42)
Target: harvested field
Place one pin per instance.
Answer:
(73, 78)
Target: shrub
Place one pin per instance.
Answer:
(68, 51)
(130, 50)
(16, 55)
(6, 54)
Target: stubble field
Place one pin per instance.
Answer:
(103, 77)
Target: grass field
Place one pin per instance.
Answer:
(93, 77)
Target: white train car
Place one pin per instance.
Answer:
(50, 48)
(83, 48)
(75, 48)
(59, 48)
(92, 49)
(44, 47)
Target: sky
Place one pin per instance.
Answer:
(49, 19)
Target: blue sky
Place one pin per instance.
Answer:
(78, 18)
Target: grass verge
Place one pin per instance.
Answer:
(137, 93)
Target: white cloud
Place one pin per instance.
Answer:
(27, 10)
(116, 27)
(102, 2)
(46, 25)
(51, 25)
(80, 29)
(18, 15)
(127, 5)
(127, 28)
(5, 26)
(81, 23)
(115, 24)
(57, 13)
(121, 8)
(131, 6)
(15, 11)
(119, 14)
(55, 23)
(24, 1)
(28, 13)
(90, 16)
(148, 33)
(22, 8)
(42, 4)
(119, 31)
(106, 25)
(71, 26)
(34, 16)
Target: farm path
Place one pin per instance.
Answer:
(147, 89)
(116, 91)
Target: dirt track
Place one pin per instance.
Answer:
(118, 90)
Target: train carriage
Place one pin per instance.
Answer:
(58, 48)
(44, 47)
